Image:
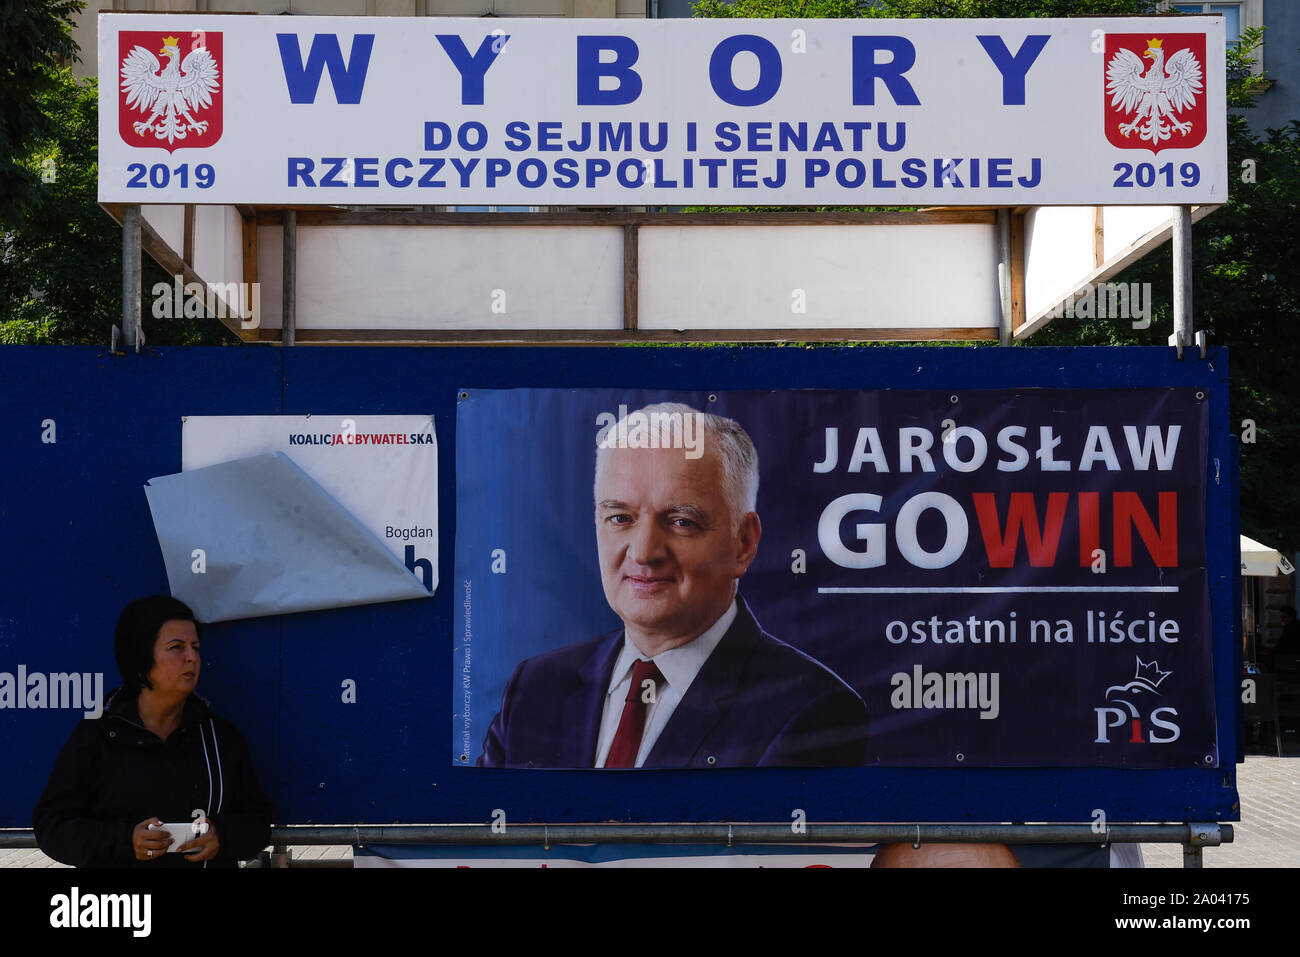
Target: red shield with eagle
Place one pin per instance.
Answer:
(1155, 90)
(169, 89)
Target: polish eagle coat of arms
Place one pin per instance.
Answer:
(1158, 104)
(172, 106)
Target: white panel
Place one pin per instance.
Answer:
(454, 277)
(234, 242)
(1058, 253)
(1059, 246)
(866, 277)
(1125, 225)
(168, 222)
(219, 256)
(210, 254)
(270, 273)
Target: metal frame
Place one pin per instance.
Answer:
(1011, 266)
(1010, 221)
(1193, 836)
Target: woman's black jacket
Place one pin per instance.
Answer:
(113, 773)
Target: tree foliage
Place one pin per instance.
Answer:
(821, 9)
(61, 258)
(33, 39)
(60, 253)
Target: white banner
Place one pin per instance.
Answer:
(527, 112)
(383, 469)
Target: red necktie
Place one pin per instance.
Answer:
(627, 739)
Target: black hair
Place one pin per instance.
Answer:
(135, 634)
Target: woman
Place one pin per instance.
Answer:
(156, 755)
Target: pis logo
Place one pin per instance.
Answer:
(1135, 699)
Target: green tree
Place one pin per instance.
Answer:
(34, 38)
(61, 255)
(815, 9)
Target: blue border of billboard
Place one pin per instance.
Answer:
(79, 543)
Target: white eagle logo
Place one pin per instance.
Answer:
(1158, 94)
(170, 96)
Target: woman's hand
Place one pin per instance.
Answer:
(203, 848)
(146, 844)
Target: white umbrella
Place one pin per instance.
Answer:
(1262, 561)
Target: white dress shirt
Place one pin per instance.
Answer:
(679, 666)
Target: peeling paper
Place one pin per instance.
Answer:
(269, 541)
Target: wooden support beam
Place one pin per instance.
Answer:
(315, 216)
(170, 260)
(187, 233)
(1098, 236)
(1018, 240)
(605, 337)
(248, 232)
(631, 275)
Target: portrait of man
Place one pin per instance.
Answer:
(691, 679)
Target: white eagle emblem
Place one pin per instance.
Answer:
(172, 95)
(1158, 94)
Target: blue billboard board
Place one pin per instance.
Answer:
(1077, 505)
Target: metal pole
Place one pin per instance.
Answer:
(131, 277)
(1004, 276)
(1199, 836)
(288, 326)
(474, 834)
(1193, 837)
(1183, 275)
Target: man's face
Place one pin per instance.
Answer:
(669, 555)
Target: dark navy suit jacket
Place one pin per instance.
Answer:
(756, 702)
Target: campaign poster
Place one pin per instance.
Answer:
(974, 578)
(381, 469)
